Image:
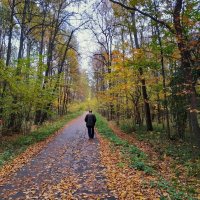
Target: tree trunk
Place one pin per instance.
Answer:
(10, 33)
(38, 114)
(144, 90)
(186, 68)
(21, 43)
(163, 74)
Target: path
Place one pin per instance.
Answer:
(69, 167)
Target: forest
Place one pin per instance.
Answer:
(40, 73)
(143, 76)
(145, 69)
(147, 66)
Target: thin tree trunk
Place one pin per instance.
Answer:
(38, 113)
(144, 90)
(163, 75)
(22, 37)
(10, 33)
(164, 82)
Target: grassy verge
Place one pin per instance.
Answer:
(140, 161)
(11, 148)
(182, 152)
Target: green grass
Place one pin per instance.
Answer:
(182, 152)
(140, 161)
(10, 149)
(173, 192)
(127, 126)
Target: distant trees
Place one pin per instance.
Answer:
(103, 29)
(39, 62)
(155, 57)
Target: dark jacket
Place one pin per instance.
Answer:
(90, 119)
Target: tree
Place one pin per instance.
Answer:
(36, 69)
(187, 68)
(103, 30)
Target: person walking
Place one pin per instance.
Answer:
(90, 120)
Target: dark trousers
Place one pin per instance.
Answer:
(90, 131)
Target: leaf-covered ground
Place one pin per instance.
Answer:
(136, 171)
(165, 166)
(126, 183)
(68, 167)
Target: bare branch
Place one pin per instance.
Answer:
(161, 22)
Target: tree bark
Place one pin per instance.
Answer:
(144, 89)
(21, 43)
(38, 113)
(163, 76)
(186, 68)
(10, 33)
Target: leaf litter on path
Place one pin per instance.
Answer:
(68, 166)
(124, 182)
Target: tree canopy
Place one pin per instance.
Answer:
(147, 65)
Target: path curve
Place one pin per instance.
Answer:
(69, 167)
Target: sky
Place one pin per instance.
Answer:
(87, 46)
(86, 42)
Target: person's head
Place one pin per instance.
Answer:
(90, 111)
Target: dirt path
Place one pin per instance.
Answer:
(69, 167)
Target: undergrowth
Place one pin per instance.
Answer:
(139, 161)
(127, 126)
(182, 152)
(12, 148)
